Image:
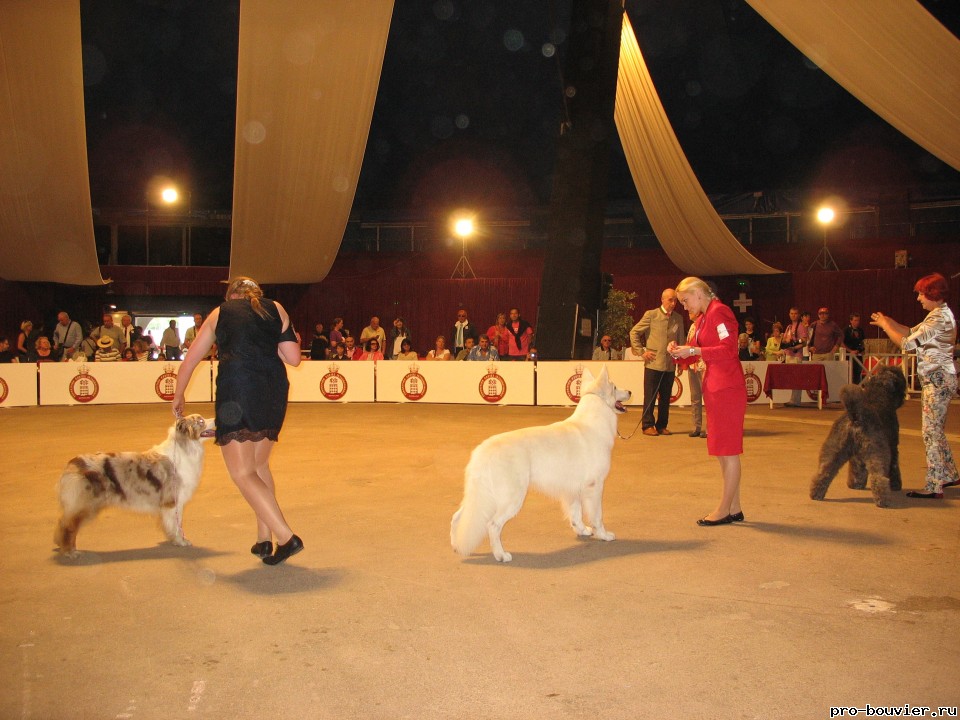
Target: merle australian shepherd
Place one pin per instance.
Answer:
(159, 481)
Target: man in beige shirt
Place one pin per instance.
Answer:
(649, 338)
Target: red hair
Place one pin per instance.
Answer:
(934, 286)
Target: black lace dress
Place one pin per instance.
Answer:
(252, 379)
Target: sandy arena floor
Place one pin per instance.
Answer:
(805, 606)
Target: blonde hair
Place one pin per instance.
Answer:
(247, 289)
(26, 325)
(695, 283)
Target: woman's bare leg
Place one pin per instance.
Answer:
(243, 460)
(730, 499)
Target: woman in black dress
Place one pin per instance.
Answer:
(255, 337)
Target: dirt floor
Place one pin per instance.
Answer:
(805, 606)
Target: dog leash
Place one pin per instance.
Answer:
(645, 408)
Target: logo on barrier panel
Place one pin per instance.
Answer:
(752, 381)
(84, 387)
(492, 386)
(414, 385)
(677, 389)
(573, 384)
(166, 384)
(333, 385)
(4, 390)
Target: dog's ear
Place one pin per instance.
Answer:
(604, 375)
(587, 377)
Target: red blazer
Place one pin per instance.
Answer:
(716, 335)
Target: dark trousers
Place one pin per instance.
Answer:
(657, 386)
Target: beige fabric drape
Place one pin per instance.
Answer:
(46, 225)
(890, 54)
(686, 224)
(307, 81)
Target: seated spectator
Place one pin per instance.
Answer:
(6, 354)
(153, 352)
(440, 351)
(42, 351)
(772, 350)
(406, 351)
(372, 351)
(606, 351)
(483, 351)
(467, 347)
(354, 352)
(141, 350)
(340, 353)
(129, 355)
(107, 350)
(745, 348)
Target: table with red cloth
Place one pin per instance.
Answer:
(796, 376)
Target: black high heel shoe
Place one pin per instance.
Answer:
(262, 549)
(290, 547)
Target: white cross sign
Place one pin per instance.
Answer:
(743, 302)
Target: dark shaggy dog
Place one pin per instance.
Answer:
(867, 437)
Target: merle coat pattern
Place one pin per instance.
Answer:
(159, 481)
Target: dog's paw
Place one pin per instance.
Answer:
(504, 557)
(182, 542)
(583, 531)
(604, 535)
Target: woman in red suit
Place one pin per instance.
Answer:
(724, 390)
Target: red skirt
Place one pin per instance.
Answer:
(725, 411)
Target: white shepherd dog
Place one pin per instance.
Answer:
(568, 460)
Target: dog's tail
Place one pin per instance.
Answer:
(468, 527)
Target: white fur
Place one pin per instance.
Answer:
(568, 460)
(159, 481)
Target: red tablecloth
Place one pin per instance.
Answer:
(795, 376)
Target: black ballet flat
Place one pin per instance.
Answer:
(262, 549)
(737, 517)
(925, 495)
(289, 548)
(703, 522)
